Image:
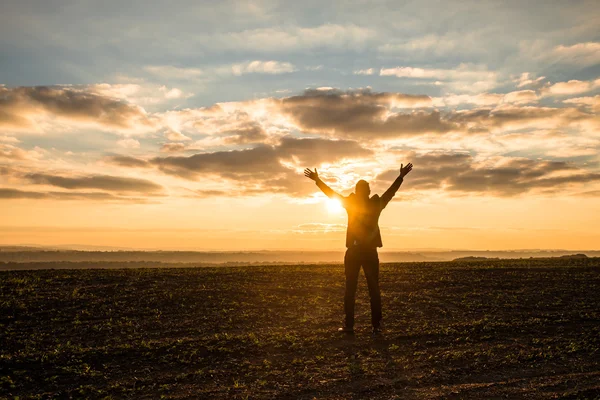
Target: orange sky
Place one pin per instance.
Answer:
(275, 223)
(191, 130)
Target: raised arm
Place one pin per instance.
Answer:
(329, 192)
(387, 196)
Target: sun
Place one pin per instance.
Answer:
(334, 206)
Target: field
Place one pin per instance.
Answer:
(502, 329)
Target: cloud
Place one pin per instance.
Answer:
(372, 116)
(499, 176)
(104, 187)
(11, 152)
(580, 54)
(24, 107)
(101, 182)
(260, 145)
(592, 102)
(261, 161)
(466, 77)
(127, 161)
(455, 44)
(361, 114)
(365, 115)
(141, 94)
(261, 169)
(555, 143)
(14, 194)
(481, 99)
(430, 170)
(229, 123)
(211, 73)
(525, 79)
(168, 72)
(173, 93)
(487, 99)
(129, 143)
(262, 67)
(316, 151)
(368, 71)
(211, 193)
(513, 117)
(175, 136)
(429, 73)
(253, 171)
(570, 88)
(589, 193)
(292, 38)
(225, 119)
(9, 139)
(172, 147)
(521, 97)
(250, 132)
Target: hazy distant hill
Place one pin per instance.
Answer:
(198, 256)
(474, 258)
(574, 256)
(31, 254)
(566, 256)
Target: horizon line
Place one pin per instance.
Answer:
(81, 247)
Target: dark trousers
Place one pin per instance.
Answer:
(369, 260)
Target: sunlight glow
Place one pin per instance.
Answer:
(334, 206)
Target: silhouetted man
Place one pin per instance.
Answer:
(362, 240)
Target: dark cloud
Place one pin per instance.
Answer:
(13, 194)
(518, 116)
(459, 172)
(430, 170)
(102, 182)
(105, 187)
(251, 132)
(316, 151)
(172, 147)
(7, 193)
(210, 193)
(235, 127)
(12, 152)
(256, 170)
(127, 161)
(361, 114)
(260, 161)
(589, 193)
(369, 116)
(18, 105)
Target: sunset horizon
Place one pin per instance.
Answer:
(143, 136)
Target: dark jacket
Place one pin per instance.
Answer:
(363, 214)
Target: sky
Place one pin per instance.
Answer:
(187, 125)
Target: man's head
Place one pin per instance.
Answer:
(362, 188)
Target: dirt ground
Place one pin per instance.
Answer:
(486, 329)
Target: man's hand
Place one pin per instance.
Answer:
(310, 174)
(404, 170)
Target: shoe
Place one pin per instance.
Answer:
(377, 330)
(346, 329)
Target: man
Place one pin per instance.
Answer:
(362, 240)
